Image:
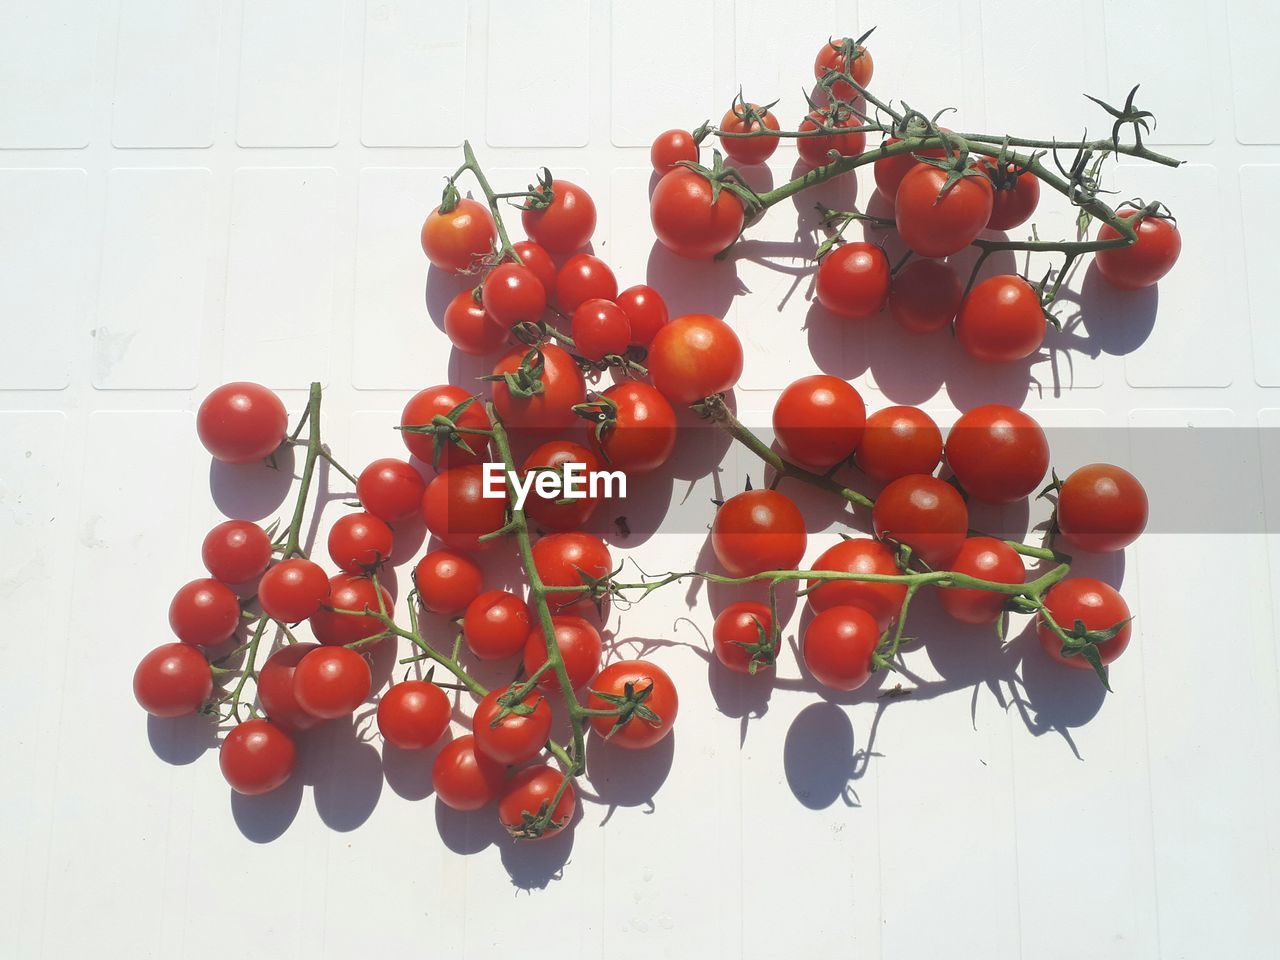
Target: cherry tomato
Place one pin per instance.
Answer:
(580, 648)
(670, 147)
(275, 689)
(204, 612)
(926, 514)
(646, 310)
(241, 422)
(566, 223)
(256, 757)
(1144, 262)
(925, 295)
(748, 118)
(562, 560)
(987, 559)
(454, 241)
(758, 530)
(331, 682)
(470, 328)
(1016, 196)
(899, 441)
(1096, 605)
(582, 278)
(528, 797)
(172, 680)
(832, 58)
(1001, 320)
(516, 737)
(889, 171)
(447, 582)
(349, 591)
(693, 357)
(457, 511)
(1101, 508)
(464, 778)
(391, 489)
(689, 219)
(236, 551)
(818, 421)
(641, 725)
(838, 646)
(359, 542)
(635, 427)
(293, 590)
(413, 714)
(539, 261)
(426, 404)
(600, 328)
(552, 457)
(853, 280)
(938, 226)
(743, 637)
(815, 151)
(998, 453)
(496, 625)
(562, 388)
(860, 555)
(512, 293)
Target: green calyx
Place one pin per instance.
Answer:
(628, 704)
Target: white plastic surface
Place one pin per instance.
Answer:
(269, 231)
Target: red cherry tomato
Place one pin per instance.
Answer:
(743, 637)
(204, 612)
(758, 530)
(646, 310)
(528, 796)
(348, 591)
(899, 441)
(457, 511)
(512, 293)
(236, 551)
(937, 225)
(582, 278)
(1144, 262)
(832, 58)
(496, 625)
(275, 689)
(539, 261)
(454, 241)
(331, 682)
(1001, 320)
(1096, 605)
(926, 514)
(645, 724)
(470, 328)
(566, 223)
(889, 171)
(925, 296)
(359, 542)
(447, 582)
(427, 404)
(580, 648)
(853, 280)
(552, 458)
(465, 779)
(818, 421)
(987, 559)
(693, 357)
(635, 427)
(1101, 508)
(998, 453)
(413, 714)
(390, 489)
(293, 590)
(562, 389)
(241, 422)
(690, 219)
(815, 151)
(838, 645)
(172, 680)
(860, 555)
(600, 329)
(516, 737)
(748, 118)
(256, 757)
(1016, 196)
(562, 560)
(670, 147)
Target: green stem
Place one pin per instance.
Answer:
(293, 544)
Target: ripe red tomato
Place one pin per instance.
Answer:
(528, 797)
(256, 757)
(236, 551)
(600, 328)
(470, 328)
(349, 591)
(359, 542)
(635, 427)
(562, 388)
(512, 293)
(566, 223)
(1096, 605)
(1001, 320)
(987, 559)
(925, 513)
(998, 453)
(743, 637)
(818, 421)
(815, 151)
(457, 511)
(496, 625)
(1144, 262)
(546, 511)
(758, 530)
(925, 295)
(838, 645)
(1101, 508)
(562, 559)
(293, 590)
(582, 278)
(853, 280)
(464, 778)
(517, 737)
(938, 226)
(889, 171)
(1016, 196)
(241, 422)
(454, 241)
(172, 680)
(275, 689)
(204, 612)
(831, 58)
(899, 441)
(859, 555)
(643, 724)
(390, 489)
(646, 310)
(748, 118)
(413, 714)
(426, 404)
(693, 357)
(539, 261)
(689, 219)
(447, 582)
(670, 147)
(331, 682)
(580, 648)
